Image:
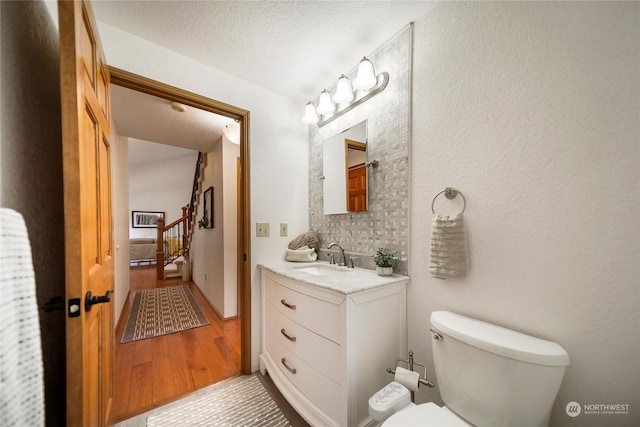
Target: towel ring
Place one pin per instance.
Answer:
(449, 193)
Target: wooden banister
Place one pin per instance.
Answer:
(160, 249)
(185, 221)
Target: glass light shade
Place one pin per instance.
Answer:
(366, 78)
(232, 132)
(344, 91)
(310, 116)
(326, 104)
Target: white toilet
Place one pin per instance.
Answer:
(487, 376)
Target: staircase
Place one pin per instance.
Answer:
(174, 239)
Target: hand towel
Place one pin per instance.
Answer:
(21, 369)
(303, 254)
(448, 247)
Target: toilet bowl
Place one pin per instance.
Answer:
(425, 414)
(487, 375)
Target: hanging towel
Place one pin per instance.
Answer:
(448, 247)
(21, 371)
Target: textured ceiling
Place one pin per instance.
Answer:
(295, 48)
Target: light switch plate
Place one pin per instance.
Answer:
(262, 229)
(284, 229)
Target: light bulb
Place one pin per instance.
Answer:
(326, 104)
(344, 91)
(310, 116)
(366, 78)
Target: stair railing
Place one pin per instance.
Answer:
(196, 184)
(169, 234)
(172, 240)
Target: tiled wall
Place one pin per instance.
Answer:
(386, 223)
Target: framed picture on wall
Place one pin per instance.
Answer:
(145, 219)
(207, 209)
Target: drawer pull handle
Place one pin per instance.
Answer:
(286, 304)
(284, 362)
(287, 336)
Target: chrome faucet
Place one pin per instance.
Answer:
(342, 263)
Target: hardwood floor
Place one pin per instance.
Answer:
(155, 371)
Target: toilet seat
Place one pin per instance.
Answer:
(426, 414)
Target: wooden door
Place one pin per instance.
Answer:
(88, 217)
(357, 189)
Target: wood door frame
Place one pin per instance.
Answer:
(142, 84)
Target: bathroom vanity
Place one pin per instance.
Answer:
(328, 335)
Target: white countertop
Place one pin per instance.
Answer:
(340, 279)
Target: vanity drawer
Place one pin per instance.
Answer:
(319, 352)
(325, 393)
(320, 316)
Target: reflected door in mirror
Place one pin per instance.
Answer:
(356, 176)
(344, 173)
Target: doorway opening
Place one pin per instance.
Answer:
(172, 94)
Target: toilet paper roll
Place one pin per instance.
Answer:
(407, 378)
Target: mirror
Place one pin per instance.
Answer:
(344, 172)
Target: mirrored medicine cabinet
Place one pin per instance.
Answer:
(344, 158)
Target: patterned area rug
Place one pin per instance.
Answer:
(243, 402)
(162, 311)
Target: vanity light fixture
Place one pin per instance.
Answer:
(366, 78)
(325, 104)
(366, 85)
(344, 90)
(310, 115)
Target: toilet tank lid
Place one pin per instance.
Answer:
(499, 340)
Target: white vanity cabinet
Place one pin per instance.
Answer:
(327, 348)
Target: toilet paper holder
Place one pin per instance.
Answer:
(410, 365)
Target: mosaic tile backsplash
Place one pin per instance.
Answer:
(386, 223)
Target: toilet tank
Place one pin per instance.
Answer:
(493, 376)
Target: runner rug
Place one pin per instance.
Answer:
(242, 402)
(162, 311)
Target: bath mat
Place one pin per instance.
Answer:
(162, 311)
(243, 402)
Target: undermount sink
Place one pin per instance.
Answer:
(322, 269)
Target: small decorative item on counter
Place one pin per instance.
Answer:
(309, 239)
(385, 260)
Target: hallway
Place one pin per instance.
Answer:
(155, 371)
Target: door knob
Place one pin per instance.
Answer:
(90, 300)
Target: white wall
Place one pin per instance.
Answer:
(161, 186)
(214, 249)
(230, 155)
(532, 111)
(278, 143)
(121, 217)
(208, 243)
